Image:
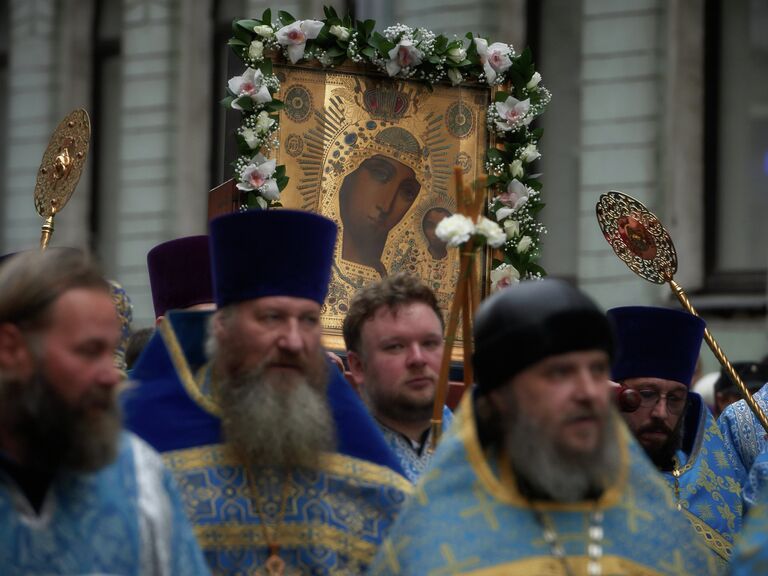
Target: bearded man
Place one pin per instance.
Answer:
(77, 495)
(657, 353)
(394, 337)
(537, 475)
(281, 468)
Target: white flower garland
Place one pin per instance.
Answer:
(407, 53)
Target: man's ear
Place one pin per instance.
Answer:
(355, 367)
(497, 401)
(218, 325)
(15, 355)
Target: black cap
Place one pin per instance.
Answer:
(527, 322)
(753, 374)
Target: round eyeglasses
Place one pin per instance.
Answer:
(675, 401)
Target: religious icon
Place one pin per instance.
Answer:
(636, 237)
(376, 156)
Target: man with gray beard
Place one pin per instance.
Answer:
(77, 495)
(537, 474)
(281, 468)
(261, 400)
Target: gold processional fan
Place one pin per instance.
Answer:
(61, 168)
(639, 239)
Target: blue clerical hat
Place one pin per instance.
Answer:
(656, 343)
(271, 253)
(180, 274)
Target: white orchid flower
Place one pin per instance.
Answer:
(496, 58)
(294, 37)
(404, 55)
(514, 198)
(503, 276)
(250, 84)
(257, 177)
(513, 113)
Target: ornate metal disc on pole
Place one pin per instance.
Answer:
(640, 240)
(60, 169)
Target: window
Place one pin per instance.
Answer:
(736, 145)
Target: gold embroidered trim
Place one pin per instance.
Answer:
(340, 465)
(304, 535)
(184, 372)
(504, 488)
(551, 566)
(712, 538)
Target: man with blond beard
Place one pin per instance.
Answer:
(77, 495)
(284, 471)
(537, 474)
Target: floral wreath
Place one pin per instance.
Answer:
(405, 53)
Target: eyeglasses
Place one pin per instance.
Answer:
(675, 401)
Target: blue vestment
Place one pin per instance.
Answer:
(413, 460)
(125, 519)
(710, 480)
(751, 554)
(335, 515)
(468, 517)
(745, 440)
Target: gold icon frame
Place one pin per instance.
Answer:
(333, 121)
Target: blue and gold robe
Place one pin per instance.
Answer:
(414, 460)
(751, 554)
(710, 480)
(467, 517)
(335, 516)
(125, 519)
(745, 440)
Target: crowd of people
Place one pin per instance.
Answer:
(237, 444)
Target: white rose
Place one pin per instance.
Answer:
(455, 230)
(264, 31)
(251, 138)
(340, 32)
(256, 50)
(263, 121)
(530, 153)
(493, 233)
(516, 168)
(512, 228)
(524, 244)
(458, 54)
(534, 81)
(503, 212)
(455, 76)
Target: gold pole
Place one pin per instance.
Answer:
(720, 355)
(453, 322)
(46, 232)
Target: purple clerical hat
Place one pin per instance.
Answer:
(271, 253)
(656, 343)
(180, 274)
